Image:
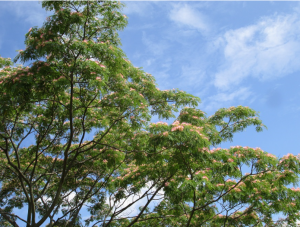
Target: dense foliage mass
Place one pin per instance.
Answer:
(85, 111)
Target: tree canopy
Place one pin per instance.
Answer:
(86, 111)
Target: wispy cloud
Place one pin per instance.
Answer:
(185, 15)
(29, 12)
(223, 99)
(137, 201)
(267, 49)
(140, 8)
(156, 47)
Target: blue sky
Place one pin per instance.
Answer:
(226, 53)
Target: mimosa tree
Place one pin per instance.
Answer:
(85, 110)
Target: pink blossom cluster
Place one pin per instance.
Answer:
(102, 66)
(200, 171)
(203, 149)
(237, 189)
(159, 123)
(295, 189)
(183, 113)
(177, 128)
(79, 14)
(241, 184)
(165, 133)
(271, 156)
(238, 155)
(230, 180)
(214, 150)
(205, 177)
(287, 156)
(176, 122)
(232, 147)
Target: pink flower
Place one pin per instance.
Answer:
(237, 189)
(30, 29)
(271, 156)
(103, 66)
(205, 177)
(93, 73)
(98, 78)
(167, 184)
(175, 123)
(105, 161)
(230, 160)
(295, 189)
(229, 180)
(166, 133)
(177, 128)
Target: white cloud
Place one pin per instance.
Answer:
(223, 99)
(140, 8)
(29, 12)
(187, 16)
(134, 209)
(192, 76)
(240, 94)
(156, 47)
(68, 197)
(267, 49)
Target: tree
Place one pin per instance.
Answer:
(80, 84)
